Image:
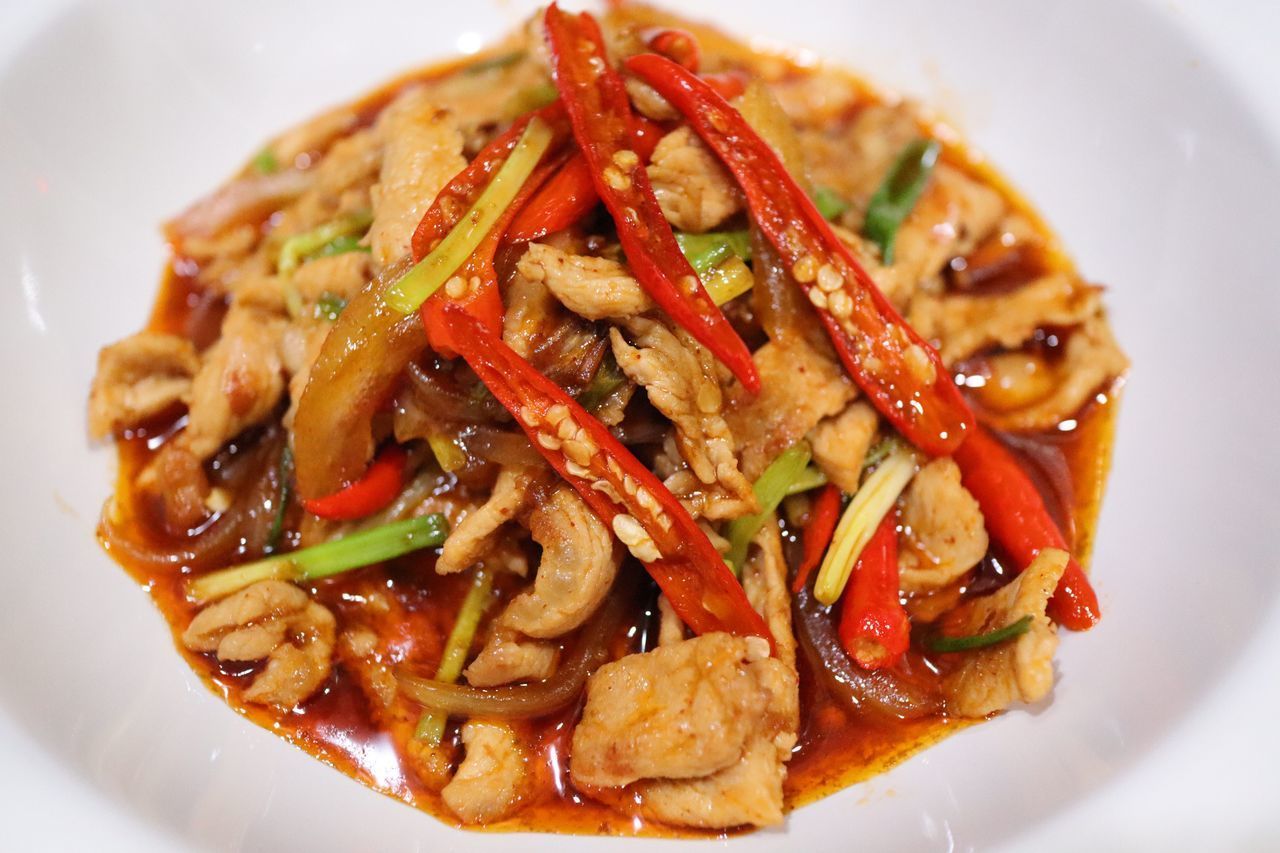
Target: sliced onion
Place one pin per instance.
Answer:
(880, 692)
(508, 449)
(543, 697)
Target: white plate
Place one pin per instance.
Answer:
(1122, 129)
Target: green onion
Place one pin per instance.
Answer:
(340, 246)
(940, 643)
(829, 203)
(431, 724)
(705, 251)
(330, 558)
(265, 162)
(898, 194)
(502, 60)
(329, 306)
(728, 280)
(531, 98)
(609, 378)
(810, 478)
(282, 500)
(426, 277)
(878, 452)
(866, 510)
(770, 489)
(308, 244)
(449, 456)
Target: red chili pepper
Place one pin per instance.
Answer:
(1020, 524)
(618, 488)
(677, 45)
(571, 194)
(728, 84)
(874, 628)
(596, 99)
(378, 487)
(896, 368)
(818, 533)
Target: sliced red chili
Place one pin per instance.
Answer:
(596, 100)
(376, 488)
(898, 370)
(817, 534)
(617, 486)
(1020, 524)
(677, 45)
(874, 628)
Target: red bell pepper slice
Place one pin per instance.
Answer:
(896, 368)
(376, 488)
(571, 194)
(618, 488)
(599, 110)
(453, 202)
(817, 534)
(1020, 524)
(874, 627)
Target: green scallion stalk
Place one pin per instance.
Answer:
(704, 251)
(770, 489)
(265, 162)
(939, 643)
(531, 98)
(330, 558)
(431, 724)
(340, 246)
(810, 478)
(898, 194)
(329, 306)
(285, 473)
(308, 244)
(449, 456)
(609, 378)
(429, 274)
(728, 280)
(829, 203)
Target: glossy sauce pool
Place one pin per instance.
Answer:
(336, 725)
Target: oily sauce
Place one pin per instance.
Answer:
(337, 726)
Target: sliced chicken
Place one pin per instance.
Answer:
(764, 578)
(493, 777)
(1018, 670)
(578, 565)
(943, 535)
(507, 657)
(139, 377)
(746, 793)
(591, 287)
(953, 215)
(680, 377)
(476, 534)
(273, 620)
(694, 190)
(422, 152)
(840, 444)
(800, 386)
(965, 325)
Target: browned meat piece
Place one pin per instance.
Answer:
(680, 377)
(840, 444)
(493, 777)
(801, 386)
(694, 190)
(746, 793)
(578, 565)
(965, 325)
(476, 533)
(507, 658)
(591, 287)
(273, 620)
(137, 378)
(942, 529)
(422, 152)
(678, 712)
(1018, 670)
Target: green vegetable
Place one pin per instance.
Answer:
(531, 98)
(705, 251)
(329, 306)
(609, 378)
(770, 489)
(829, 203)
(431, 724)
(810, 478)
(728, 280)
(449, 456)
(265, 162)
(340, 246)
(877, 454)
(431, 272)
(285, 473)
(309, 244)
(899, 193)
(940, 643)
(491, 63)
(329, 558)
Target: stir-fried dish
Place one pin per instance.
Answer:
(622, 430)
